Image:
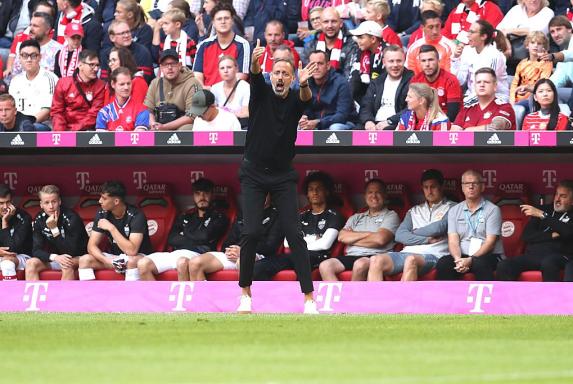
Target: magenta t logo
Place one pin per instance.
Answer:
(480, 297)
(35, 296)
(327, 294)
(180, 296)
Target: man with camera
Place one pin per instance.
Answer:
(169, 96)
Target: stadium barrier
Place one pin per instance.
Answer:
(465, 297)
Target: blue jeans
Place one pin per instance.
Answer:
(342, 126)
(40, 127)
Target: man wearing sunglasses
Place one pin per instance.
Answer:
(78, 98)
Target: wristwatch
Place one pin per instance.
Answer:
(545, 215)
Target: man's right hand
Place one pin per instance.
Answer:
(52, 221)
(258, 51)
(370, 126)
(4, 252)
(459, 49)
(64, 260)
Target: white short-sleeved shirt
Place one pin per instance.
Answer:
(224, 121)
(240, 98)
(517, 18)
(388, 104)
(33, 95)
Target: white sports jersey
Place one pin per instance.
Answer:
(33, 95)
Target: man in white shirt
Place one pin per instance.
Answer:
(33, 89)
(209, 117)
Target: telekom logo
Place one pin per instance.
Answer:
(480, 296)
(535, 137)
(196, 175)
(56, 138)
(213, 137)
(327, 294)
(82, 179)
(139, 178)
(549, 177)
(453, 137)
(372, 137)
(134, 138)
(11, 178)
(36, 296)
(181, 293)
(490, 177)
(369, 174)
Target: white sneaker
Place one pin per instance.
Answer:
(310, 308)
(245, 304)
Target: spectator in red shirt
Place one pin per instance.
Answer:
(78, 98)
(487, 113)
(546, 114)
(275, 37)
(459, 21)
(445, 83)
(122, 57)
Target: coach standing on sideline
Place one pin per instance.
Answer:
(266, 168)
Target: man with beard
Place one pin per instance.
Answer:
(548, 236)
(447, 85)
(274, 113)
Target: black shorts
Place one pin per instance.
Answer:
(348, 261)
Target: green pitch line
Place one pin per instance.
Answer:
(215, 348)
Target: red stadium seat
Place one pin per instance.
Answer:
(31, 203)
(51, 275)
(108, 274)
(21, 275)
(509, 197)
(224, 199)
(224, 276)
(88, 205)
(453, 190)
(170, 275)
(159, 209)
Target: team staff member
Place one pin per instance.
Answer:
(125, 227)
(59, 237)
(15, 235)
(274, 113)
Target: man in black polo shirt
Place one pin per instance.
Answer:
(125, 227)
(59, 237)
(274, 113)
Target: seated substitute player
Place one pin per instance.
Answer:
(60, 237)
(15, 235)
(125, 226)
(548, 236)
(474, 228)
(366, 234)
(269, 242)
(192, 234)
(423, 232)
(320, 226)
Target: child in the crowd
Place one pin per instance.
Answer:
(176, 38)
(528, 72)
(67, 58)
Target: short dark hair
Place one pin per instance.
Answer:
(119, 71)
(203, 185)
(75, 3)
(114, 188)
(125, 59)
(5, 190)
(429, 15)
(381, 183)
(428, 48)
(87, 54)
(48, 19)
(568, 184)
(326, 54)
(33, 5)
(487, 70)
(319, 177)
(432, 174)
(486, 29)
(223, 6)
(560, 21)
(30, 43)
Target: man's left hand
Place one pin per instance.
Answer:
(305, 73)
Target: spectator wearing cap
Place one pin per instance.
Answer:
(170, 95)
(76, 11)
(124, 113)
(331, 106)
(67, 59)
(367, 61)
(10, 119)
(432, 28)
(78, 98)
(33, 89)
(120, 36)
(209, 117)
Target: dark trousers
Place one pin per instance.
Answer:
(482, 267)
(569, 271)
(256, 182)
(550, 265)
(267, 268)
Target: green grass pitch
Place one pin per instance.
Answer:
(228, 348)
